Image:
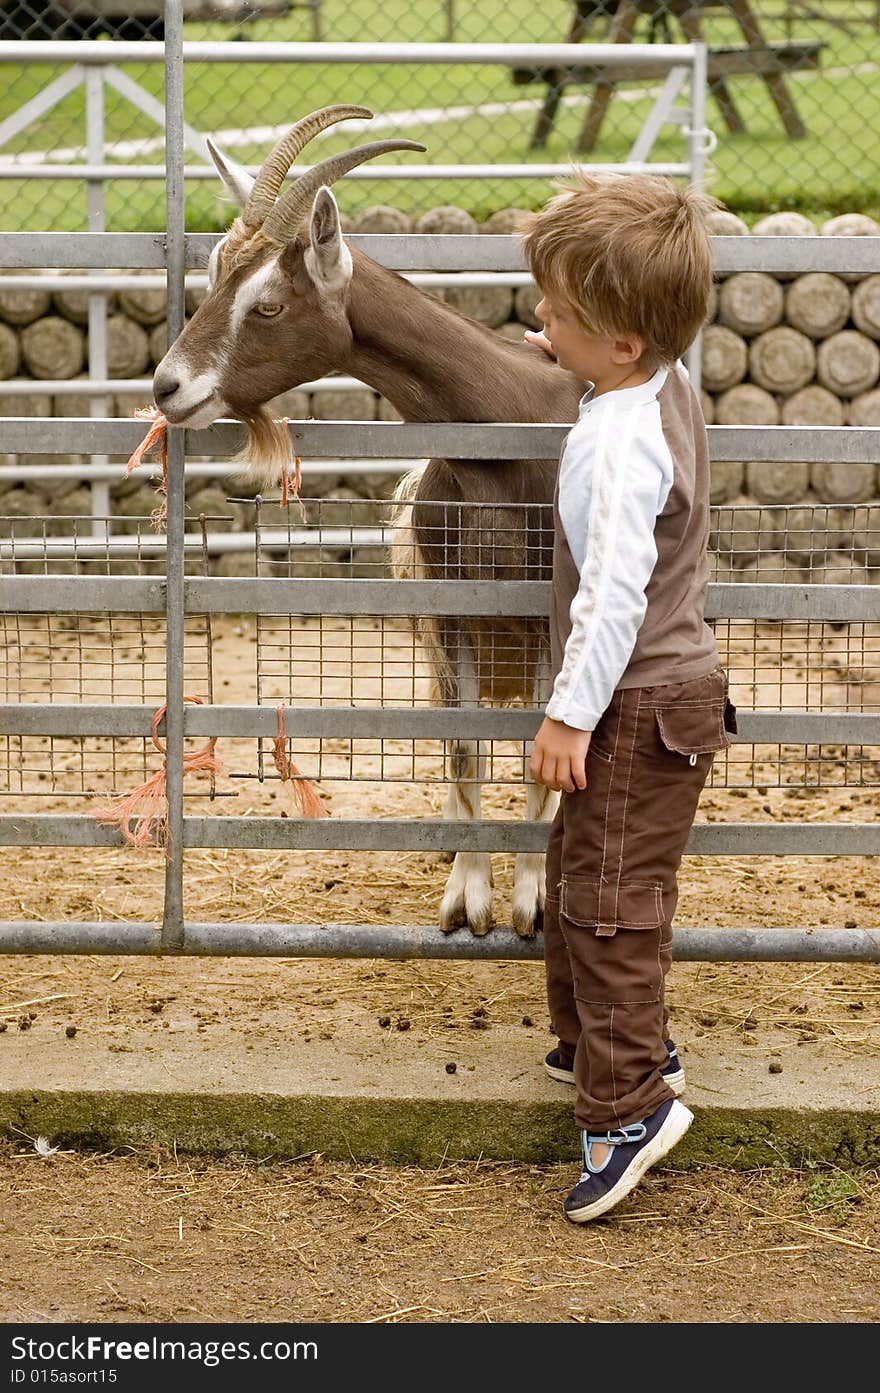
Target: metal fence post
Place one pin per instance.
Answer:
(175, 256)
(697, 151)
(95, 154)
(697, 133)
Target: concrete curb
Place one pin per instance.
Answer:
(385, 1096)
(416, 1131)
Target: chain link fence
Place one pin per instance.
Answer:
(794, 98)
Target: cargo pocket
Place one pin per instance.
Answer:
(613, 939)
(694, 728)
(602, 739)
(596, 751)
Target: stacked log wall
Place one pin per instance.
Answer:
(786, 349)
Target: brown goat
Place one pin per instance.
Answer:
(288, 301)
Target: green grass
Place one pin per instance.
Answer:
(835, 169)
(833, 1194)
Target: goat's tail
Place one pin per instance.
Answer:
(407, 563)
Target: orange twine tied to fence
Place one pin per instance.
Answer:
(296, 482)
(157, 435)
(304, 795)
(148, 804)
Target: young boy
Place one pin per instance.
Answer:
(639, 702)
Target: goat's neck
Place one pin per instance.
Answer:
(434, 364)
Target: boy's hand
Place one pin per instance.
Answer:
(559, 757)
(541, 341)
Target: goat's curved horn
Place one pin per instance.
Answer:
(286, 217)
(275, 167)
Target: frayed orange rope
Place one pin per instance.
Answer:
(304, 795)
(147, 805)
(294, 485)
(157, 435)
(288, 484)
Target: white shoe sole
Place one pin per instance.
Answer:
(676, 1081)
(561, 1075)
(670, 1134)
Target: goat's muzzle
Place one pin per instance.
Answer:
(166, 385)
(194, 402)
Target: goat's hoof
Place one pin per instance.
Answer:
(450, 926)
(482, 926)
(527, 921)
(452, 917)
(467, 906)
(529, 930)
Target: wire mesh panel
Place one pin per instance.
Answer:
(388, 661)
(798, 665)
(814, 543)
(73, 658)
(379, 661)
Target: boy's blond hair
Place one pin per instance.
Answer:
(630, 254)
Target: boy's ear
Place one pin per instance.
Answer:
(627, 349)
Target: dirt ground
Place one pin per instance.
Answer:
(170, 1238)
(181, 1238)
(165, 1238)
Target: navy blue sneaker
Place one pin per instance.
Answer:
(559, 1064)
(673, 1072)
(632, 1151)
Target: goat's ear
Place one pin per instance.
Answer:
(237, 180)
(328, 259)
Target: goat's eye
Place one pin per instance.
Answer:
(268, 311)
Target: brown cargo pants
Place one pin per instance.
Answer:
(613, 854)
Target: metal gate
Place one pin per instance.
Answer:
(75, 600)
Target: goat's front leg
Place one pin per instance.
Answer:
(468, 895)
(541, 805)
(528, 871)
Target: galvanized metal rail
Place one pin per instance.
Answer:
(97, 63)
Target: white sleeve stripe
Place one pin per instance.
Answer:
(609, 484)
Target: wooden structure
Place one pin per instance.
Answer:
(755, 56)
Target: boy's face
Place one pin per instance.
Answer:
(589, 358)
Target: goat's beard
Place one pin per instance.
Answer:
(267, 454)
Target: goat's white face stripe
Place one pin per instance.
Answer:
(257, 287)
